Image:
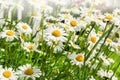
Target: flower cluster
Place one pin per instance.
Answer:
(23, 72)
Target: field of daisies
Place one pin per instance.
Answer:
(59, 40)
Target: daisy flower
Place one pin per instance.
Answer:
(74, 25)
(64, 10)
(108, 17)
(106, 61)
(24, 28)
(67, 27)
(117, 47)
(35, 3)
(27, 71)
(93, 38)
(36, 14)
(96, 3)
(106, 74)
(114, 17)
(73, 22)
(116, 34)
(77, 59)
(9, 35)
(28, 46)
(116, 12)
(99, 33)
(55, 34)
(65, 16)
(58, 46)
(75, 10)
(109, 42)
(45, 8)
(8, 74)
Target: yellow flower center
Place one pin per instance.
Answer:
(66, 16)
(67, 27)
(109, 17)
(22, 36)
(48, 23)
(75, 8)
(30, 47)
(110, 71)
(93, 39)
(7, 74)
(73, 23)
(89, 13)
(34, 14)
(56, 33)
(29, 71)
(43, 6)
(80, 58)
(10, 33)
(100, 32)
(25, 27)
(118, 47)
(109, 40)
(34, 0)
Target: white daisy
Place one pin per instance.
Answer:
(66, 16)
(9, 35)
(93, 38)
(36, 14)
(109, 42)
(116, 12)
(116, 34)
(108, 17)
(67, 27)
(55, 34)
(45, 8)
(58, 46)
(117, 47)
(64, 10)
(77, 59)
(24, 28)
(74, 25)
(75, 10)
(106, 74)
(106, 61)
(28, 46)
(36, 3)
(8, 74)
(27, 71)
(99, 33)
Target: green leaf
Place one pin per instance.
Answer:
(97, 28)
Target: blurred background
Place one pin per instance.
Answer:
(33, 7)
(101, 4)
